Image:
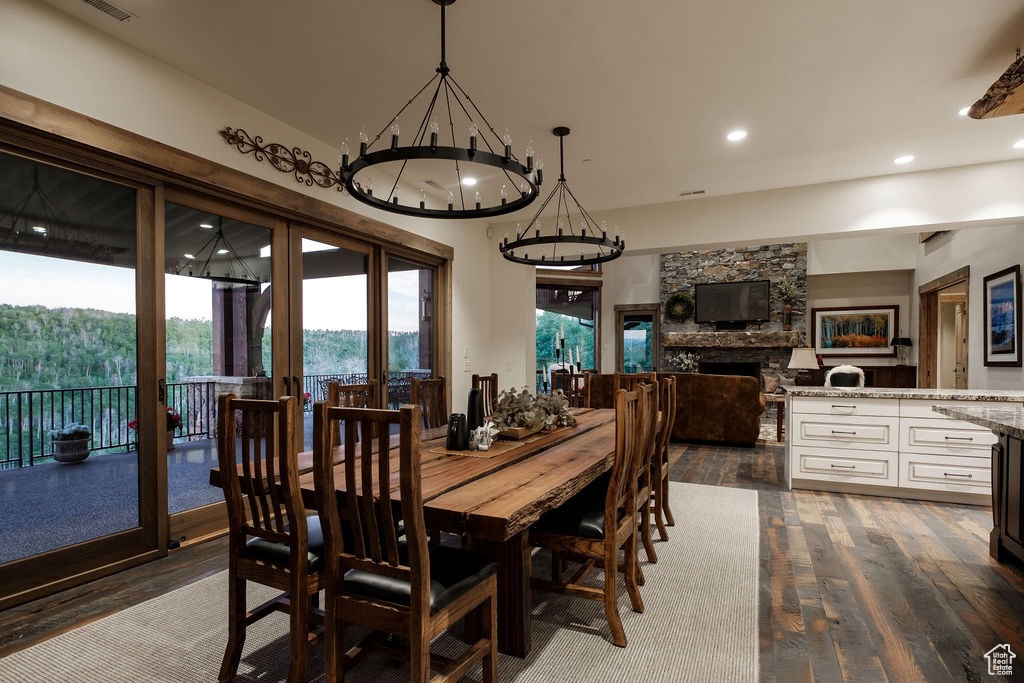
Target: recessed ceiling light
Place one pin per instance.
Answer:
(206, 226)
(469, 182)
(223, 251)
(1019, 144)
(905, 159)
(39, 229)
(736, 135)
(964, 111)
(192, 256)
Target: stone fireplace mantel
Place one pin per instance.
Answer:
(733, 340)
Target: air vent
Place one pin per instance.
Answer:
(692, 193)
(433, 184)
(110, 10)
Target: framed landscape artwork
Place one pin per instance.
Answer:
(1002, 318)
(854, 331)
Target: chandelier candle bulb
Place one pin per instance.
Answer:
(529, 156)
(478, 200)
(473, 131)
(434, 129)
(451, 201)
(344, 154)
(423, 199)
(504, 195)
(394, 135)
(364, 140)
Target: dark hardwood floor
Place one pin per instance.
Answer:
(853, 588)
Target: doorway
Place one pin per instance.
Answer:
(637, 337)
(943, 331)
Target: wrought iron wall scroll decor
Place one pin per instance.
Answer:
(292, 160)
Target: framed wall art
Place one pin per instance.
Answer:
(854, 330)
(1002, 318)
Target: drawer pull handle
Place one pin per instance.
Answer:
(840, 431)
(959, 438)
(842, 407)
(955, 474)
(842, 467)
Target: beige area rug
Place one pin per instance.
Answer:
(700, 622)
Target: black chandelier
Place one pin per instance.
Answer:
(217, 260)
(426, 162)
(574, 240)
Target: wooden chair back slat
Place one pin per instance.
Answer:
(429, 395)
(576, 387)
(488, 386)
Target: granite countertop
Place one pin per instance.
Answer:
(925, 394)
(1007, 421)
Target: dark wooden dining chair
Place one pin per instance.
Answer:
(630, 380)
(376, 577)
(645, 472)
(488, 386)
(272, 541)
(362, 395)
(575, 386)
(429, 395)
(661, 510)
(593, 526)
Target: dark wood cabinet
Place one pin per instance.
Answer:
(1007, 537)
(889, 376)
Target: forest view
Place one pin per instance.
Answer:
(60, 348)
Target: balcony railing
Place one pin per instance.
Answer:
(26, 418)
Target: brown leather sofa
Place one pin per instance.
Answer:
(709, 408)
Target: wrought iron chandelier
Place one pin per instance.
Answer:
(481, 180)
(217, 260)
(575, 239)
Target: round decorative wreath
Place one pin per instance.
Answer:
(679, 307)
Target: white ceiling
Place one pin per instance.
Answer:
(828, 90)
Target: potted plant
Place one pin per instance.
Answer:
(788, 292)
(174, 422)
(71, 443)
(687, 361)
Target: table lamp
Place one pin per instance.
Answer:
(803, 359)
(902, 345)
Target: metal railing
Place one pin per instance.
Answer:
(26, 417)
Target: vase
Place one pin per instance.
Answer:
(170, 439)
(71, 451)
(787, 317)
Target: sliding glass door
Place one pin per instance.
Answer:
(330, 328)
(411, 312)
(78, 488)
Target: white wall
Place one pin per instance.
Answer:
(986, 250)
(874, 252)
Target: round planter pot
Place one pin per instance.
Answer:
(72, 451)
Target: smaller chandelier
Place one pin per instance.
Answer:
(574, 238)
(445, 180)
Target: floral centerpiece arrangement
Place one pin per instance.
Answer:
(686, 361)
(523, 410)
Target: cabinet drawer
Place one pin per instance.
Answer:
(841, 406)
(945, 436)
(866, 467)
(870, 432)
(945, 473)
(923, 407)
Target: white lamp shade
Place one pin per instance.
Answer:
(803, 359)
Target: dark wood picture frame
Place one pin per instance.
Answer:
(870, 327)
(1002, 318)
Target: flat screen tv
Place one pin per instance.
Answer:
(731, 302)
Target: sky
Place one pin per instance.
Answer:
(328, 303)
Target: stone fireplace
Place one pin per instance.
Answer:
(761, 347)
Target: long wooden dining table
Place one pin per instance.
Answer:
(491, 499)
